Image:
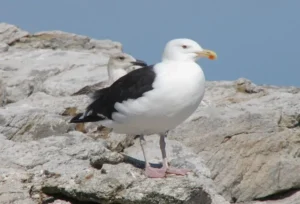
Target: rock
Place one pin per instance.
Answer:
(38, 116)
(118, 142)
(14, 187)
(66, 41)
(22, 163)
(242, 143)
(246, 86)
(290, 197)
(106, 158)
(124, 183)
(249, 144)
(65, 173)
(178, 154)
(44, 160)
(3, 94)
(48, 71)
(3, 47)
(289, 119)
(28, 124)
(52, 62)
(126, 186)
(10, 33)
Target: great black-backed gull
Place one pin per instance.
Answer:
(154, 99)
(118, 65)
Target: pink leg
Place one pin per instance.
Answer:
(169, 170)
(150, 171)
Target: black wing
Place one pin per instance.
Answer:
(131, 86)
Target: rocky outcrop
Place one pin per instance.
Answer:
(45, 61)
(250, 141)
(242, 144)
(43, 160)
(10, 33)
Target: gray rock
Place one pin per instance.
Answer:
(10, 33)
(25, 165)
(118, 142)
(54, 62)
(246, 86)
(66, 41)
(26, 123)
(65, 171)
(14, 187)
(3, 94)
(123, 183)
(292, 197)
(178, 154)
(48, 71)
(249, 142)
(106, 158)
(46, 161)
(242, 143)
(3, 47)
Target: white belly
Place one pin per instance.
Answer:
(178, 91)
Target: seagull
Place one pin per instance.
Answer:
(118, 65)
(154, 99)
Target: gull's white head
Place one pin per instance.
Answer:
(186, 50)
(120, 64)
(123, 61)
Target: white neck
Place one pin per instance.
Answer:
(115, 74)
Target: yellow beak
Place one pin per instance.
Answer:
(207, 53)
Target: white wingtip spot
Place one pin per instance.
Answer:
(100, 115)
(81, 117)
(89, 113)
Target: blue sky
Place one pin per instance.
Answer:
(256, 39)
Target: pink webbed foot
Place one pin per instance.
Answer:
(173, 170)
(155, 172)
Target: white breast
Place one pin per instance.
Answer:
(178, 91)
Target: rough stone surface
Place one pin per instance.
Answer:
(59, 166)
(246, 86)
(43, 160)
(66, 41)
(2, 93)
(249, 141)
(118, 142)
(3, 47)
(55, 62)
(125, 183)
(10, 33)
(290, 198)
(38, 116)
(242, 144)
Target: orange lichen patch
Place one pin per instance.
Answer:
(89, 176)
(80, 127)
(70, 111)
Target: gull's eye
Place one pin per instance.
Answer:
(184, 46)
(121, 58)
